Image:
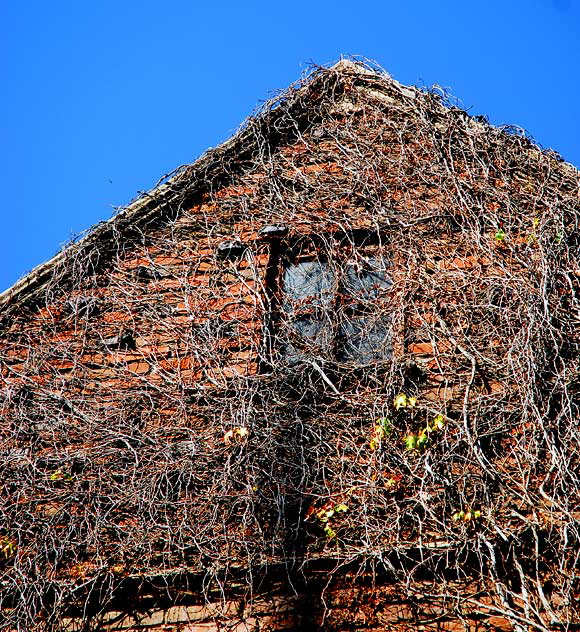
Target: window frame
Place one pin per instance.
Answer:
(334, 247)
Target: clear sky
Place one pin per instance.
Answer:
(103, 98)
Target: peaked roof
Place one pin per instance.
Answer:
(170, 194)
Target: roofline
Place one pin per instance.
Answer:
(40, 272)
(168, 191)
(191, 179)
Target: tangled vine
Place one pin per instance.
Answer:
(175, 404)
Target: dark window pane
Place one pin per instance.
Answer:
(307, 329)
(306, 336)
(310, 282)
(364, 340)
(335, 312)
(366, 279)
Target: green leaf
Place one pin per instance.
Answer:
(423, 440)
(330, 532)
(7, 547)
(438, 422)
(410, 442)
(400, 401)
(385, 425)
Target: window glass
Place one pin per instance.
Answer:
(363, 340)
(308, 281)
(308, 290)
(308, 336)
(336, 310)
(365, 278)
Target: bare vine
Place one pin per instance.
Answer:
(161, 414)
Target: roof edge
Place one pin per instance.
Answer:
(167, 192)
(188, 179)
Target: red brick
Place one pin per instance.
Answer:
(325, 167)
(121, 357)
(178, 363)
(92, 358)
(234, 191)
(155, 350)
(61, 337)
(166, 284)
(62, 365)
(166, 260)
(12, 369)
(117, 317)
(19, 354)
(421, 347)
(463, 263)
(131, 264)
(139, 367)
(249, 368)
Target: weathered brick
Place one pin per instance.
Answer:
(326, 168)
(421, 347)
(234, 191)
(463, 263)
(139, 367)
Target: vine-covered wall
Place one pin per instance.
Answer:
(173, 404)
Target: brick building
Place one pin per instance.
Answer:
(324, 378)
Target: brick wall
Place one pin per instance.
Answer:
(349, 603)
(123, 377)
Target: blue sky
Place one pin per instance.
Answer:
(103, 98)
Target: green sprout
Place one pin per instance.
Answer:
(330, 532)
(325, 514)
(467, 515)
(7, 547)
(423, 438)
(61, 475)
(383, 428)
(404, 401)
